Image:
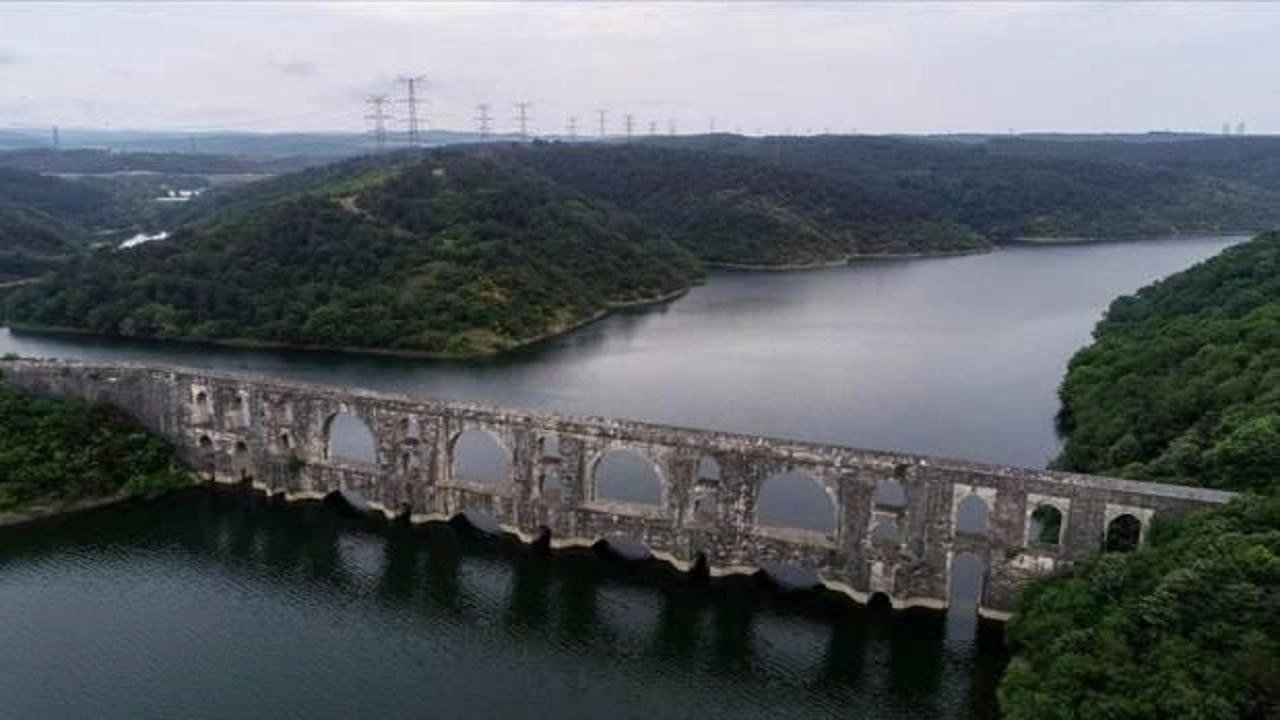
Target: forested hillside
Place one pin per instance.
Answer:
(1182, 381)
(1007, 195)
(1181, 384)
(447, 253)
(740, 210)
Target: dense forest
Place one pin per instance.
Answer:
(1181, 384)
(446, 253)
(1186, 627)
(45, 219)
(740, 210)
(1182, 381)
(1005, 195)
(90, 161)
(55, 451)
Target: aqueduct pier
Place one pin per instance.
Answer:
(894, 526)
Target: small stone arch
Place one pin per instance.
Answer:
(205, 443)
(240, 457)
(347, 438)
(202, 407)
(886, 531)
(1124, 533)
(477, 456)
(625, 547)
(286, 442)
(550, 482)
(972, 515)
(628, 476)
(708, 469)
(239, 410)
(889, 494)
(1045, 524)
(795, 499)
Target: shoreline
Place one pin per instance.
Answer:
(14, 518)
(849, 260)
(1052, 240)
(250, 344)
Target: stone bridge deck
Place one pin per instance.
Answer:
(277, 434)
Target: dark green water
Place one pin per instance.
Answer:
(223, 605)
(219, 606)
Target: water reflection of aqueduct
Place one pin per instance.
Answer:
(864, 522)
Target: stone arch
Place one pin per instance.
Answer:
(889, 493)
(478, 457)
(347, 438)
(286, 442)
(1124, 533)
(550, 482)
(1044, 526)
(708, 468)
(795, 499)
(202, 406)
(241, 462)
(885, 531)
(239, 409)
(972, 515)
(789, 576)
(627, 476)
(966, 582)
(205, 442)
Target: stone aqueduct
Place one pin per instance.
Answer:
(275, 434)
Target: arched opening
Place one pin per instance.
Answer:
(285, 442)
(241, 457)
(795, 500)
(239, 410)
(1123, 533)
(411, 429)
(479, 458)
(708, 469)
(966, 578)
(481, 521)
(551, 449)
(889, 494)
(706, 504)
(972, 516)
(205, 442)
(348, 439)
(1045, 527)
(552, 485)
(886, 532)
(629, 477)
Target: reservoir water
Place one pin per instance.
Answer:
(220, 605)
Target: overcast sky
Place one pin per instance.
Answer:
(893, 67)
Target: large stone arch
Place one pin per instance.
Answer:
(630, 475)
(972, 507)
(799, 499)
(477, 455)
(347, 436)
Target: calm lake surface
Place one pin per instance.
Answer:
(216, 604)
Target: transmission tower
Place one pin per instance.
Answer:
(630, 120)
(572, 128)
(411, 99)
(379, 117)
(653, 128)
(1240, 128)
(604, 125)
(671, 127)
(483, 121)
(57, 139)
(522, 117)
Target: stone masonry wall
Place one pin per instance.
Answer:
(276, 435)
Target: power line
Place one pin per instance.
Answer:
(604, 114)
(522, 117)
(411, 99)
(483, 120)
(378, 114)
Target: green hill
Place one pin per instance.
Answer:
(1045, 191)
(740, 210)
(1182, 381)
(447, 253)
